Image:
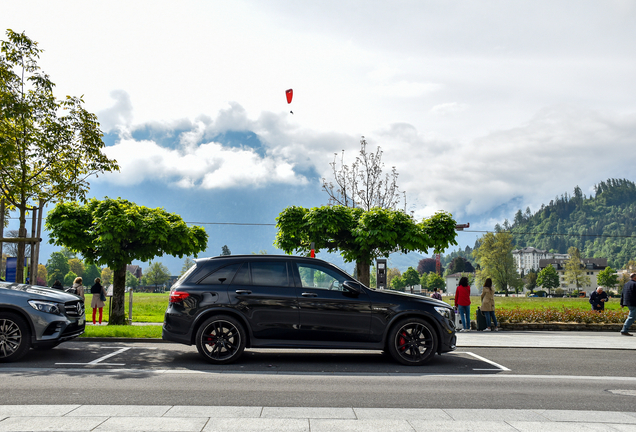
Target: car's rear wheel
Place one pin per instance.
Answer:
(221, 339)
(14, 337)
(412, 342)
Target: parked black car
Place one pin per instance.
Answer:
(228, 303)
(32, 316)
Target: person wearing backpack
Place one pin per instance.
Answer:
(99, 296)
(78, 288)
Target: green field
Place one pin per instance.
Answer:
(146, 307)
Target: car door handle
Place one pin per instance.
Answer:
(243, 292)
(309, 294)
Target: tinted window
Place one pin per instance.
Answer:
(220, 276)
(242, 276)
(269, 273)
(317, 276)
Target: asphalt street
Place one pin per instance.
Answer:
(514, 377)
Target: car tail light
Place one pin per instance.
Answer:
(177, 296)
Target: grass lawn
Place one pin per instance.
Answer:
(125, 331)
(146, 307)
(505, 303)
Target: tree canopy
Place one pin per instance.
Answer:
(360, 235)
(548, 278)
(494, 255)
(48, 147)
(114, 232)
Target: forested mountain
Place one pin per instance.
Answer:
(600, 226)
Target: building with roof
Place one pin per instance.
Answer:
(591, 266)
(528, 258)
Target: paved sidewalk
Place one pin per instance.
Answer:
(546, 339)
(102, 418)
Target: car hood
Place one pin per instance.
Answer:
(37, 292)
(387, 295)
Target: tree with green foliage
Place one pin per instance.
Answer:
(391, 273)
(69, 278)
(530, 281)
(548, 278)
(131, 280)
(114, 232)
(398, 283)
(225, 251)
(156, 274)
(607, 278)
(359, 235)
(411, 278)
(91, 272)
(107, 276)
(424, 281)
(57, 267)
(48, 147)
(187, 263)
(436, 281)
(76, 266)
(574, 269)
(495, 259)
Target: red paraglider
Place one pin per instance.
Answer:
(290, 94)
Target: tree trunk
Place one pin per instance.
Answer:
(363, 272)
(118, 314)
(19, 266)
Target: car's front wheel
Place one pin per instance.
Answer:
(14, 337)
(412, 341)
(221, 339)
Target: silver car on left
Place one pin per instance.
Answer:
(37, 317)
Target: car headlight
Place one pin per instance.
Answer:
(444, 311)
(44, 306)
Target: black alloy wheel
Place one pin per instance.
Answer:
(413, 342)
(14, 337)
(221, 339)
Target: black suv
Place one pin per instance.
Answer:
(228, 303)
(32, 316)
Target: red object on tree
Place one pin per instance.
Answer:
(289, 93)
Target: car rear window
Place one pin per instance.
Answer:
(221, 276)
(271, 273)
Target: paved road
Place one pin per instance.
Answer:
(572, 381)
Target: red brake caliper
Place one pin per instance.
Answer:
(402, 340)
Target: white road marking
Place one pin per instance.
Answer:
(478, 357)
(99, 360)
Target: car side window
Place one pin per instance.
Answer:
(269, 273)
(317, 276)
(242, 276)
(221, 276)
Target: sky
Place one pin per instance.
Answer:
(483, 108)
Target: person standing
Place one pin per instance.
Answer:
(488, 306)
(628, 298)
(98, 299)
(462, 303)
(436, 295)
(78, 287)
(57, 285)
(598, 299)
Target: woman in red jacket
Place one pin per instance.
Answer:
(462, 302)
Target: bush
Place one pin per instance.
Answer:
(541, 293)
(562, 315)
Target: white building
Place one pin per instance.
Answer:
(452, 281)
(528, 258)
(591, 266)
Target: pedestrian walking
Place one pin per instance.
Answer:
(462, 303)
(598, 299)
(488, 306)
(628, 298)
(436, 295)
(78, 287)
(97, 302)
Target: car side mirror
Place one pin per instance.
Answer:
(352, 287)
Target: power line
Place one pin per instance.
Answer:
(231, 223)
(558, 234)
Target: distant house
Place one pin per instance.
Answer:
(592, 267)
(528, 258)
(135, 270)
(452, 281)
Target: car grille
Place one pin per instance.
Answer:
(74, 308)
